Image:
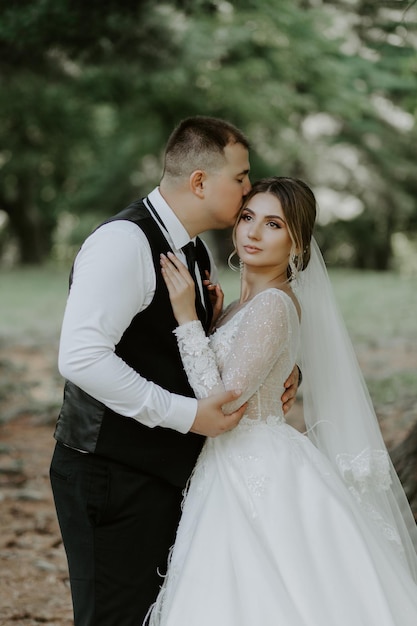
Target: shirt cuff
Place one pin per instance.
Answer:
(182, 414)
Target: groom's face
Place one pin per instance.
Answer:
(228, 186)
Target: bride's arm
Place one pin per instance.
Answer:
(258, 340)
(260, 337)
(198, 359)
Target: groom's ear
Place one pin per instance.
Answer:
(197, 182)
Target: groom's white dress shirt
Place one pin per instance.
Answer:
(114, 279)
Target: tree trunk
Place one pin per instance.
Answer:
(27, 224)
(31, 235)
(404, 458)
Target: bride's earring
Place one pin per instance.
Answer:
(293, 267)
(241, 266)
(230, 262)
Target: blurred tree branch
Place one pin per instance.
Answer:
(90, 92)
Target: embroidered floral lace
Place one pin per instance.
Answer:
(254, 351)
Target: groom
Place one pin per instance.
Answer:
(129, 431)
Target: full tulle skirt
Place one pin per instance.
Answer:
(271, 536)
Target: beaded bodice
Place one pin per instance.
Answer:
(253, 351)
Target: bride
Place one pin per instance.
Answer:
(281, 528)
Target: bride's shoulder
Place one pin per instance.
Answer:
(275, 296)
(230, 306)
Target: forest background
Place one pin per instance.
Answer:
(325, 91)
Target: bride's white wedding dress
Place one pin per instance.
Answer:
(270, 534)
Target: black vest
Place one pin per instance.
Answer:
(149, 346)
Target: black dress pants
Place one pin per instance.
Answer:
(117, 527)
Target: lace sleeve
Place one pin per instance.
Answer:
(262, 335)
(259, 337)
(198, 359)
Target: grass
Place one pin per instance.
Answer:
(379, 310)
(32, 302)
(376, 306)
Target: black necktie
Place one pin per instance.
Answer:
(191, 256)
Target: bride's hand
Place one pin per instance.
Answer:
(181, 288)
(216, 296)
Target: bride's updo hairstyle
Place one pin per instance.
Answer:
(299, 207)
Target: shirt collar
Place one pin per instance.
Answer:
(176, 231)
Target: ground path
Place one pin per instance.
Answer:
(33, 575)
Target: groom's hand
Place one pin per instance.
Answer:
(210, 420)
(291, 385)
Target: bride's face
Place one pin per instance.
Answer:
(262, 236)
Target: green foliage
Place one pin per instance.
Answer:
(35, 302)
(91, 90)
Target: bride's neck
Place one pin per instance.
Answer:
(251, 284)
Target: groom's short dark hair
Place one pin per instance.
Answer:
(198, 143)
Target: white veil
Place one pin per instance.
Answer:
(340, 418)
